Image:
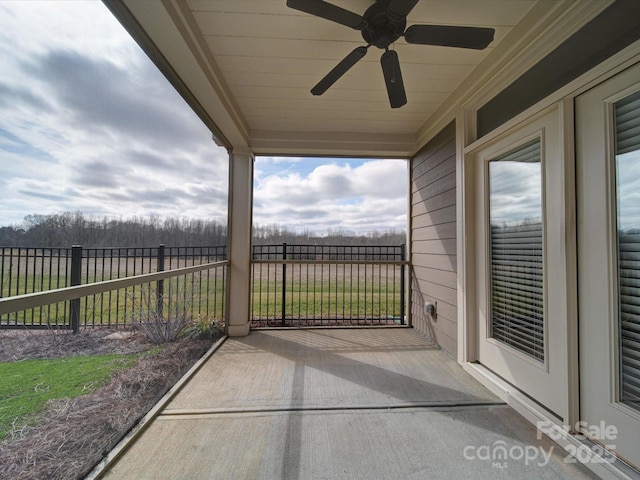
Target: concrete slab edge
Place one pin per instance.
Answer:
(123, 445)
(333, 327)
(530, 410)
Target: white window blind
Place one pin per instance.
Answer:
(517, 279)
(628, 124)
(627, 117)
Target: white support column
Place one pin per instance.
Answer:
(240, 207)
(465, 238)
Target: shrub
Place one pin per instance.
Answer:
(204, 329)
(164, 319)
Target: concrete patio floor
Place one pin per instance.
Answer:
(337, 403)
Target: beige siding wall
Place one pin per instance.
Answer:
(433, 238)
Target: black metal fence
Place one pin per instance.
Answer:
(313, 285)
(292, 285)
(28, 270)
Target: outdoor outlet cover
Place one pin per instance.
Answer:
(430, 309)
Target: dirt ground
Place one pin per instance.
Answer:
(72, 435)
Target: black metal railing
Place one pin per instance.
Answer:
(313, 285)
(292, 285)
(29, 270)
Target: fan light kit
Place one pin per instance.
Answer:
(382, 24)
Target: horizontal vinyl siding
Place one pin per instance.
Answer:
(436, 246)
(437, 217)
(433, 239)
(428, 191)
(444, 231)
(440, 201)
(439, 277)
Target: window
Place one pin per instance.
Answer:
(516, 250)
(627, 117)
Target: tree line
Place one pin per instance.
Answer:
(76, 228)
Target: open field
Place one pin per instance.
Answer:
(310, 290)
(203, 297)
(327, 292)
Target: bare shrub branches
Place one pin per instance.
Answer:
(73, 435)
(170, 316)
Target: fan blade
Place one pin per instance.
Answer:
(402, 8)
(322, 9)
(477, 38)
(339, 70)
(393, 78)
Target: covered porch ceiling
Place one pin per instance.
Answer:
(247, 68)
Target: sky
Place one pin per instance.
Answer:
(516, 192)
(88, 123)
(628, 190)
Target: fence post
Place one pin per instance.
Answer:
(402, 285)
(160, 283)
(76, 279)
(284, 283)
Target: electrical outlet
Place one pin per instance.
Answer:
(430, 308)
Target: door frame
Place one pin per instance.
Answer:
(600, 101)
(466, 142)
(564, 271)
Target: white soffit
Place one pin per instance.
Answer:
(252, 63)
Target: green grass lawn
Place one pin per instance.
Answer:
(315, 291)
(203, 296)
(26, 385)
(323, 298)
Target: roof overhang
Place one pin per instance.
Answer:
(247, 67)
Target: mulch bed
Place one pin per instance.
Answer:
(72, 435)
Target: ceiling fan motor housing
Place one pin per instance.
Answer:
(382, 27)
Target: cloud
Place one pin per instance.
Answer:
(88, 123)
(285, 160)
(96, 173)
(37, 194)
(382, 178)
(516, 191)
(628, 182)
(100, 96)
(370, 196)
(11, 95)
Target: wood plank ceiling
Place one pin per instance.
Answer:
(267, 57)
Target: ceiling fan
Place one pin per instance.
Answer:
(381, 25)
